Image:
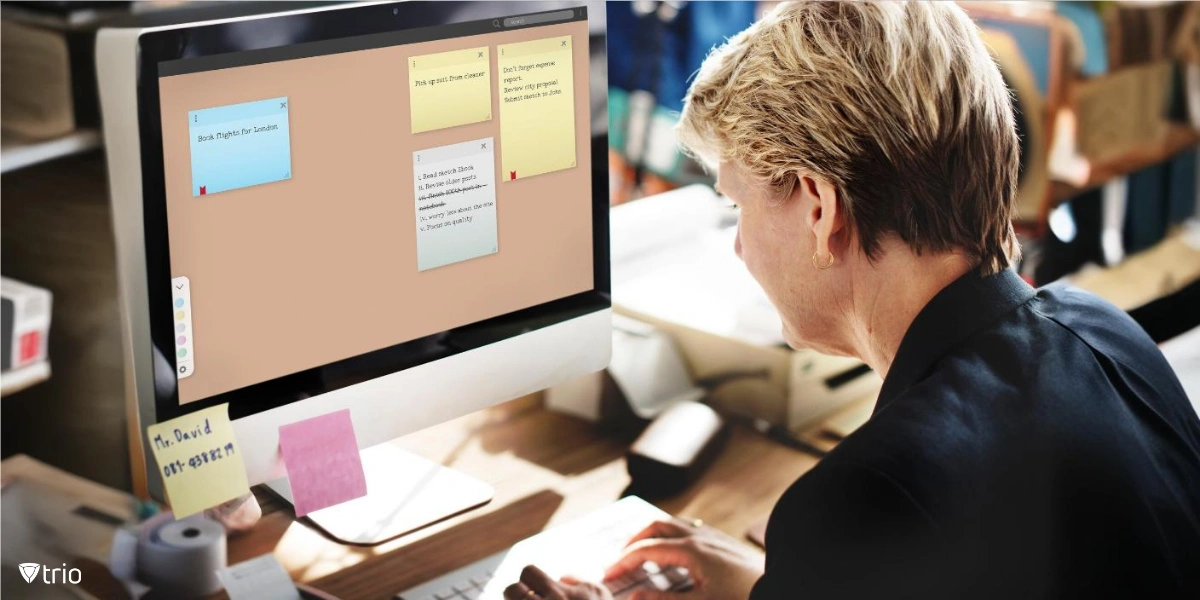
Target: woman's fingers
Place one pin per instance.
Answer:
(540, 582)
(516, 591)
(661, 529)
(593, 590)
(666, 552)
(656, 595)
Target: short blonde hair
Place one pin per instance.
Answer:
(898, 104)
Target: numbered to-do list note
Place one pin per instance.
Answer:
(198, 460)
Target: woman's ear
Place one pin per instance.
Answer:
(819, 197)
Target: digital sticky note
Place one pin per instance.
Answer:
(450, 88)
(199, 460)
(455, 189)
(239, 145)
(537, 107)
(323, 465)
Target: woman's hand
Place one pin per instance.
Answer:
(535, 584)
(719, 566)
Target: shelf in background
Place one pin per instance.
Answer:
(78, 19)
(19, 379)
(17, 153)
(1178, 139)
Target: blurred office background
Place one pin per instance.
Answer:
(1108, 95)
(1108, 105)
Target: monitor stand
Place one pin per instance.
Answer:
(405, 492)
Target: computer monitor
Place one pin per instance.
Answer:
(396, 209)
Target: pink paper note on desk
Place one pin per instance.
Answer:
(323, 466)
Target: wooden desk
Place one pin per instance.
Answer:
(547, 469)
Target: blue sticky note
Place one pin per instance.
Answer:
(240, 145)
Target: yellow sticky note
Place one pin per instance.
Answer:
(450, 88)
(537, 107)
(199, 460)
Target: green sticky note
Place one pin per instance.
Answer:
(198, 460)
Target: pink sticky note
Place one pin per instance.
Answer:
(323, 466)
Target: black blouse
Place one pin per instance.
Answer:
(1026, 444)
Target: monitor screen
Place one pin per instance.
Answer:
(348, 201)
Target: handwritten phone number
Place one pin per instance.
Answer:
(199, 460)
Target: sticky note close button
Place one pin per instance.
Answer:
(322, 460)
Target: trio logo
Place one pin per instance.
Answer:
(30, 572)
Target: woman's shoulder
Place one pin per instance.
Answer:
(1065, 350)
(1092, 319)
(1061, 337)
(1077, 327)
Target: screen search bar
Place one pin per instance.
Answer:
(550, 17)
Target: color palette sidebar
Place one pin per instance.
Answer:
(181, 307)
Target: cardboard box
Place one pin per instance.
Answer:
(793, 388)
(26, 324)
(674, 267)
(1122, 110)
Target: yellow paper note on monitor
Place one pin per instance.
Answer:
(537, 107)
(450, 89)
(198, 460)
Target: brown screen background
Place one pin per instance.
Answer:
(290, 275)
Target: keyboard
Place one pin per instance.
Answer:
(581, 548)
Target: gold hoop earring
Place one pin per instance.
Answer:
(817, 262)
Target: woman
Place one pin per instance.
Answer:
(1026, 443)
